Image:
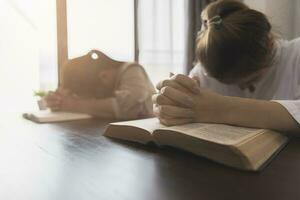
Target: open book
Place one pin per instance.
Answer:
(46, 116)
(243, 148)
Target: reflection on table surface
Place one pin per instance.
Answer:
(72, 160)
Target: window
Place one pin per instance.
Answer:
(28, 42)
(27, 51)
(101, 24)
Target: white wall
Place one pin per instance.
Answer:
(284, 15)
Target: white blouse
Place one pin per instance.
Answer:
(280, 84)
(133, 92)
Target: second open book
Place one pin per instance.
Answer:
(243, 148)
(46, 116)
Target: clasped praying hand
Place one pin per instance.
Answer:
(181, 100)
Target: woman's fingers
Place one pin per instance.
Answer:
(197, 79)
(53, 100)
(172, 115)
(173, 122)
(182, 83)
(168, 111)
(53, 105)
(162, 100)
(173, 107)
(53, 96)
(173, 84)
(186, 82)
(177, 96)
(63, 91)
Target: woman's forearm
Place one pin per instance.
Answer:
(259, 114)
(176, 106)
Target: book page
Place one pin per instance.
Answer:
(218, 133)
(149, 125)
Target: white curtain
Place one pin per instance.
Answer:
(162, 29)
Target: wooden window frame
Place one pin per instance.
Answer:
(62, 35)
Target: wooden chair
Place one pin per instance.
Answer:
(80, 75)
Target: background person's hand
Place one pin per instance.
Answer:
(63, 92)
(61, 100)
(69, 103)
(53, 100)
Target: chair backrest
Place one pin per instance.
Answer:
(80, 75)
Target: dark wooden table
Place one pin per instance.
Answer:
(72, 160)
